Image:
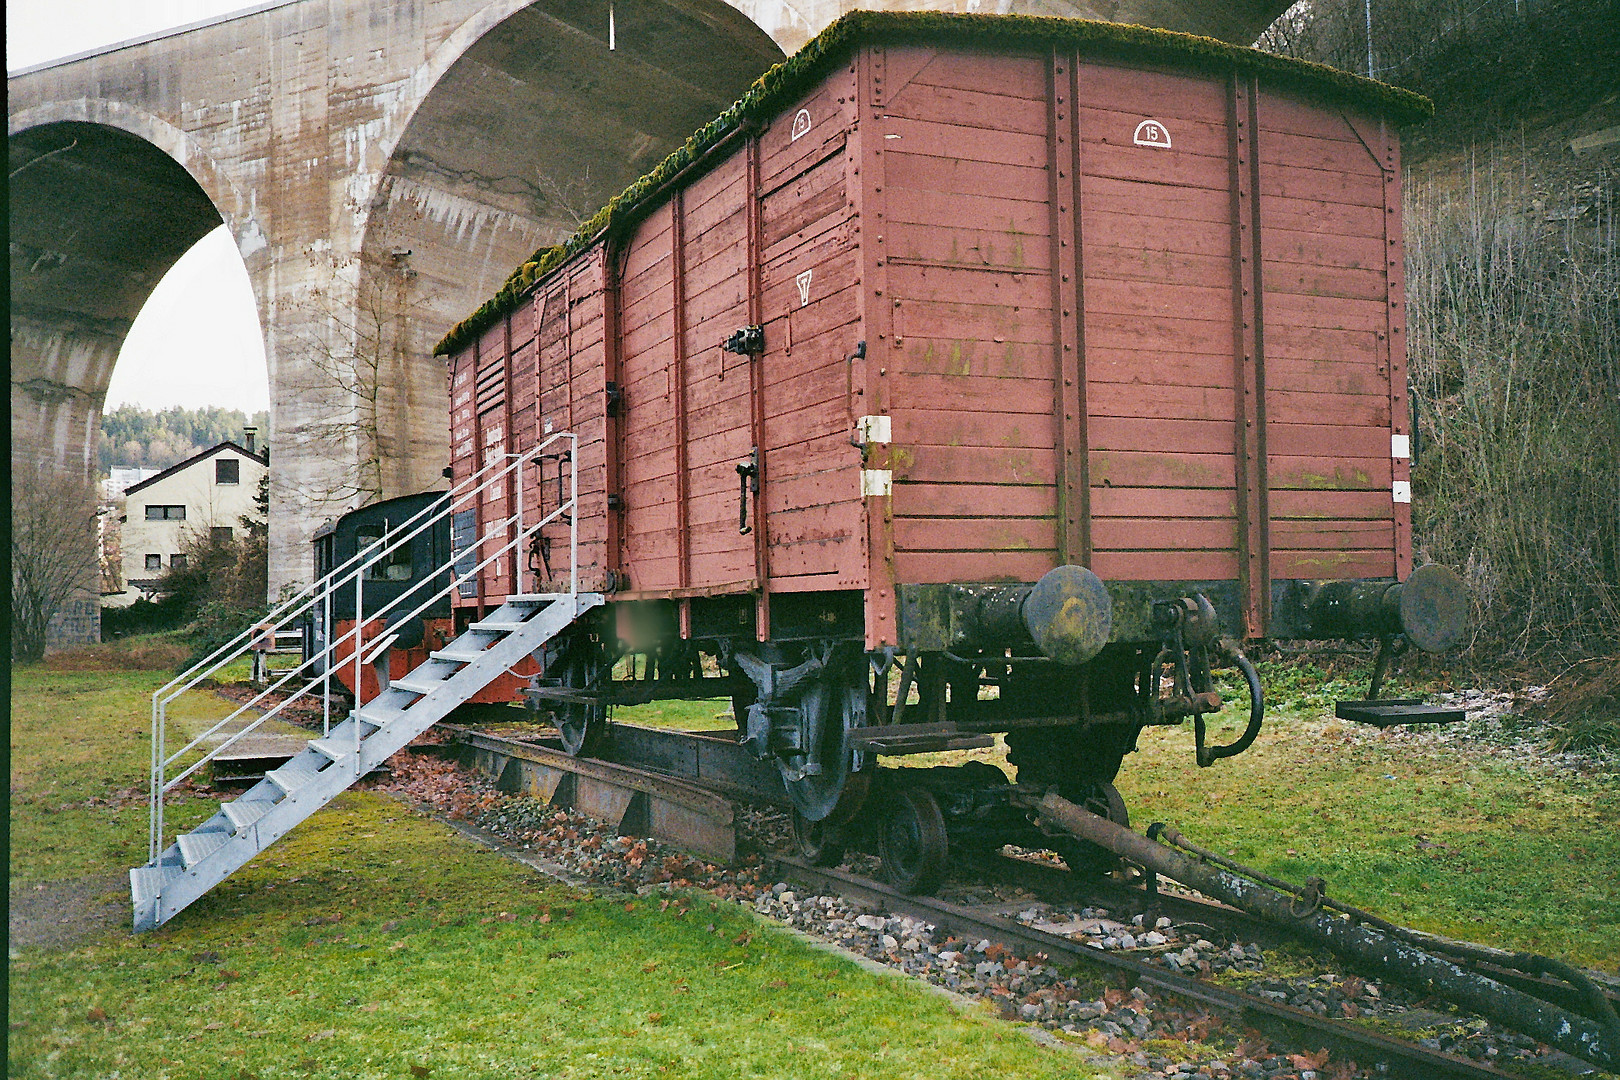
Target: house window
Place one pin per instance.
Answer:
(220, 534)
(154, 562)
(165, 513)
(227, 471)
(177, 561)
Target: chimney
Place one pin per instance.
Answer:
(251, 435)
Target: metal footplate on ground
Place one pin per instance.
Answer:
(202, 858)
(1393, 712)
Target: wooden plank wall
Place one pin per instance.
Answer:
(692, 411)
(1174, 362)
(1158, 286)
(1238, 333)
(1326, 220)
(571, 384)
(539, 370)
(967, 247)
(810, 306)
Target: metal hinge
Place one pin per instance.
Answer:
(745, 341)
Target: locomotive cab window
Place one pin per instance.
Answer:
(323, 556)
(395, 565)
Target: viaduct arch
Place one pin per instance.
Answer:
(382, 168)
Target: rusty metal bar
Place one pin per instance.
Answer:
(1585, 1038)
(1069, 398)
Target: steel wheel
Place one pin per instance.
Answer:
(836, 793)
(912, 842)
(820, 843)
(582, 726)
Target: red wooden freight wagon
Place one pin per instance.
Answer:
(972, 374)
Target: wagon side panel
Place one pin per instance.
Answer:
(967, 255)
(648, 439)
(713, 385)
(1158, 278)
(809, 305)
(1329, 210)
(571, 381)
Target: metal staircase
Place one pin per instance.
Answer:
(196, 861)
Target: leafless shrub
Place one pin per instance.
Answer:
(53, 552)
(1514, 304)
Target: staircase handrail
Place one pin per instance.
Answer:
(340, 577)
(295, 605)
(495, 528)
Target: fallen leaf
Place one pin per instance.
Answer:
(97, 1015)
(325, 1033)
(420, 1070)
(648, 969)
(655, 1018)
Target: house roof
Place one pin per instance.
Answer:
(773, 90)
(262, 459)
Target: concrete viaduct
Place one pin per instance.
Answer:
(382, 167)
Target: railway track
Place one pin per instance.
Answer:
(1301, 1029)
(683, 789)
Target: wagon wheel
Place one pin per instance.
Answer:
(912, 842)
(836, 793)
(1087, 859)
(582, 726)
(820, 843)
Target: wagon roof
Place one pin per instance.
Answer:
(782, 83)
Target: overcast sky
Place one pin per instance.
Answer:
(197, 341)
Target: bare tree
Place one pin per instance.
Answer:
(53, 553)
(354, 328)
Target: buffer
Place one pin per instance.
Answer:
(179, 873)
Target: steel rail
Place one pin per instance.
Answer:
(1307, 1030)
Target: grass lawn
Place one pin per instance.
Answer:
(1461, 843)
(376, 943)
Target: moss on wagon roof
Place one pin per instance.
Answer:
(784, 82)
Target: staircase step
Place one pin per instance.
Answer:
(376, 717)
(1392, 712)
(243, 813)
(499, 626)
(197, 846)
(416, 686)
(291, 776)
(338, 749)
(146, 883)
(458, 656)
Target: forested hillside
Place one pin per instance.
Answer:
(133, 436)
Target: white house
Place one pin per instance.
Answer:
(203, 497)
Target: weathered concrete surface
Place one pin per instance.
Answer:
(382, 167)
